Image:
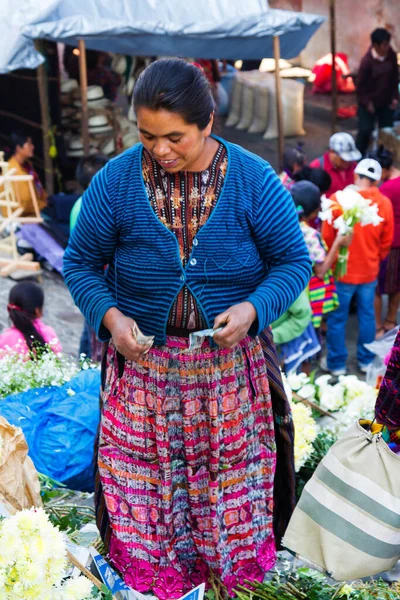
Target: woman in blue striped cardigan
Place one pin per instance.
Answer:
(197, 233)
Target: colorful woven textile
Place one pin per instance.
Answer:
(187, 462)
(387, 407)
(323, 297)
(322, 292)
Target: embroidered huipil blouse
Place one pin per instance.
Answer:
(183, 202)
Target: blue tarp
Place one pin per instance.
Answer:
(60, 429)
(207, 29)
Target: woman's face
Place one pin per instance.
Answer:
(175, 144)
(27, 149)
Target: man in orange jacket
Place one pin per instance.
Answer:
(369, 246)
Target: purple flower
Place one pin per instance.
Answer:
(169, 584)
(230, 582)
(140, 575)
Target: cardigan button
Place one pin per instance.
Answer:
(195, 242)
(182, 278)
(193, 262)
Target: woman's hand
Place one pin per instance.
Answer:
(236, 322)
(344, 241)
(120, 328)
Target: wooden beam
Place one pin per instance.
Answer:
(332, 20)
(278, 95)
(84, 86)
(45, 121)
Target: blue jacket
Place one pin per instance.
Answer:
(251, 248)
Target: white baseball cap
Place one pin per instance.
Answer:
(344, 145)
(369, 168)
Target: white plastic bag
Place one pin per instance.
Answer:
(381, 349)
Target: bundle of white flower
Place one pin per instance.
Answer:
(305, 426)
(46, 368)
(349, 209)
(345, 396)
(33, 561)
(359, 403)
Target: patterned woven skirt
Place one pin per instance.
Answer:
(389, 273)
(187, 460)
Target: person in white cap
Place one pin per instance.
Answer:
(369, 246)
(339, 161)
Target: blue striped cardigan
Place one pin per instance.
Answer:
(251, 248)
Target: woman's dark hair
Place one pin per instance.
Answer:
(88, 167)
(24, 299)
(292, 157)
(383, 156)
(17, 138)
(306, 196)
(177, 86)
(380, 35)
(319, 177)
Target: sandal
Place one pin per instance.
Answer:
(393, 324)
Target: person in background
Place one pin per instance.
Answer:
(389, 272)
(85, 171)
(369, 246)
(319, 177)
(339, 161)
(28, 333)
(19, 158)
(293, 161)
(294, 335)
(377, 87)
(321, 288)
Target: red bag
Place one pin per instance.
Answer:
(323, 75)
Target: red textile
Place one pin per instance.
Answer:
(323, 75)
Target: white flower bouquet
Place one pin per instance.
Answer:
(349, 209)
(33, 561)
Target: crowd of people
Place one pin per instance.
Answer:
(373, 266)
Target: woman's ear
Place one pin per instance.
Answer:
(208, 129)
(38, 312)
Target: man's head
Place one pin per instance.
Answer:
(367, 173)
(380, 40)
(88, 167)
(342, 150)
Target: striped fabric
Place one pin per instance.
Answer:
(250, 249)
(350, 508)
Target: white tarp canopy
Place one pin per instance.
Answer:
(234, 29)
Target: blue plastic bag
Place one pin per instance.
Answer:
(60, 429)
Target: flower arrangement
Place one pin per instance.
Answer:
(305, 433)
(33, 560)
(40, 369)
(349, 209)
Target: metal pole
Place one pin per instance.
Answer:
(84, 85)
(45, 122)
(278, 94)
(332, 19)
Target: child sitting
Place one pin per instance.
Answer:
(28, 332)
